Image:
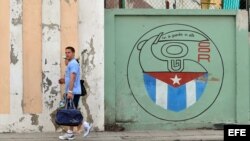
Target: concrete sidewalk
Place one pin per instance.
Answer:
(180, 135)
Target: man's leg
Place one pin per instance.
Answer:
(76, 100)
(76, 103)
(86, 125)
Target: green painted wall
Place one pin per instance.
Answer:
(150, 56)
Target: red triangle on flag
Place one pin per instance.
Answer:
(176, 79)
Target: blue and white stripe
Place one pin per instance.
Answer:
(174, 98)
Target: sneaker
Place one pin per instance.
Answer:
(67, 136)
(87, 129)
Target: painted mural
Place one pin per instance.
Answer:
(170, 66)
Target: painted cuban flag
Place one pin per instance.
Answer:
(175, 91)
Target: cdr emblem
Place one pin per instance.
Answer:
(171, 68)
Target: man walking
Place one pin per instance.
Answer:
(73, 89)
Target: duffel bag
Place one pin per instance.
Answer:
(69, 116)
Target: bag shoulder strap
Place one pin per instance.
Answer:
(70, 104)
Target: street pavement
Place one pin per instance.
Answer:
(176, 135)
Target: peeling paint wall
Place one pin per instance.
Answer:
(90, 46)
(32, 56)
(91, 51)
(4, 57)
(50, 60)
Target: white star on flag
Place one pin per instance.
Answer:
(176, 80)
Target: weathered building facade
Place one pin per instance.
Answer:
(152, 68)
(34, 35)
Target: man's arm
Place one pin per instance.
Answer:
(71, 85)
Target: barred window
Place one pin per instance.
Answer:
(178, 4)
